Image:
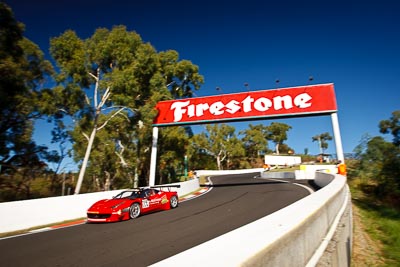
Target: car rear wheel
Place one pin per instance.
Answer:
(134, 211)
(173, 202)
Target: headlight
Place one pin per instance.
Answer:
(118, 212)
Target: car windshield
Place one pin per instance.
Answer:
(128, 194)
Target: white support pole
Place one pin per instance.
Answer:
(153, 159)
(336, 135)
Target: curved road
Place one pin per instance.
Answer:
(234, 201)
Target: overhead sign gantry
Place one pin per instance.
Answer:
(301, 101)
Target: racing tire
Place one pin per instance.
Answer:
(173, 202)
(134, 210)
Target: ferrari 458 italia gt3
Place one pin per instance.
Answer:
(129, 204)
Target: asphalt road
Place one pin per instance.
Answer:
(234, 201)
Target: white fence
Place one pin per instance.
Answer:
(25, 214)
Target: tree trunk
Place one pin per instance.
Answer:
(107, 183)
(85, 161)
(219, 162)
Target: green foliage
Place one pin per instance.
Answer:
(374, 178)
(198, 157)
(23, 71)
(378, 166)
(220, 142)
(322, 141)
(128, 77)
(113, 61)
(277, 133)
(392, 125)
(172, 152)
(285, 149)
(255, 140)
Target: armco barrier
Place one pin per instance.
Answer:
(25, 214)
(224, 172)
(309, 171)
(297, 235)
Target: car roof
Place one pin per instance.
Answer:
(136, 190)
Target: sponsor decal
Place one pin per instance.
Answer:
(295, 101)
(164, 200)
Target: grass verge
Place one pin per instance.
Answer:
(380, 231)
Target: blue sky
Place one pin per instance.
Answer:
(353, 44)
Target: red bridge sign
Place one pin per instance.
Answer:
(285, 102)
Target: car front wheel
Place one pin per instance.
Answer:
(134, 211)
(173, 202)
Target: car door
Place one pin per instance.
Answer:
(145, 205)
(155, 198)
(150, 201)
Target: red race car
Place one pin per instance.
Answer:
(129, 204)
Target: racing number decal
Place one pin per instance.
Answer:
(145, 203)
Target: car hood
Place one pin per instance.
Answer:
(107, 204)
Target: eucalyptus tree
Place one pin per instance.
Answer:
(255, 140)
(285, 149)
(378, 161)
(172, 153)
(277, 133)
(23, 70)
(235, 151)
(114, 74)
(378, 166)
(389, 177)
(219, 141)
(392, 125)
(322, 141)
